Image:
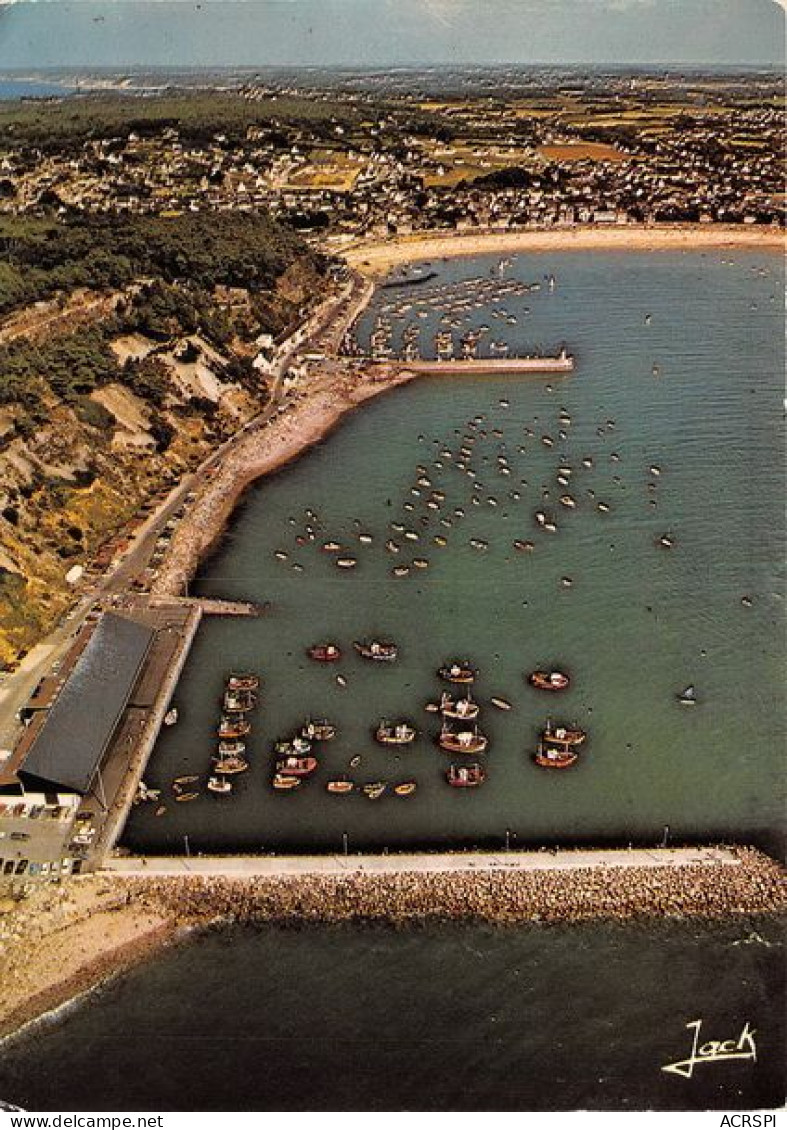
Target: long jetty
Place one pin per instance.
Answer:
(490, 365)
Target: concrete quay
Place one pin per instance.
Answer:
(250, 866)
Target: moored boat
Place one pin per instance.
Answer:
(377, 651)
(239, 702)
(341, 786)
(688, 697)
(461, 708)
(230, 765)
(551, 756)
(500, 703)
(184, 798)
(233, 727)
(219, 785)
(374, 790)
(324, 652)
(229, 748)
(186, 780)
(405, 788)
(395, 733)
(296, 766)
(462, 741)
(466, 776)
(245, 682)
(284, 782)
(171, 717)
(567, 735)
(549, 680)
(457, 672)
(321, 731)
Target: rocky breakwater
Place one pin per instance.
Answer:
(755, 885)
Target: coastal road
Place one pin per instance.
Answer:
(250, 866)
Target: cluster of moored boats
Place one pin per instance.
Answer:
(296, 760)
(455, 303)
(238, 700)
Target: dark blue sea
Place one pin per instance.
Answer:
(434, 1017)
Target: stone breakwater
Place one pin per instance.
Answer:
(709, 890)
(58, 941)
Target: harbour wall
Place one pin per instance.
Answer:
(506, 888)
(491, 366)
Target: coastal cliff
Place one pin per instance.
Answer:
(111, 393)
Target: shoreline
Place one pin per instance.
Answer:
(63, 942)
(328, 401)
(375, 259)
(284, 440)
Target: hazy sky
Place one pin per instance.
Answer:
(37, 33)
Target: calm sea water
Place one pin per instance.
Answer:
(680, 368)
(459, 1017)
(29, 88)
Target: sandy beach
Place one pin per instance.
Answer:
(377, 259)
(62, 940)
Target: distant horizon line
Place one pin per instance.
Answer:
(416, 68)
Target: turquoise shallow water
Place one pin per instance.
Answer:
(638, 623)
(454, 1017)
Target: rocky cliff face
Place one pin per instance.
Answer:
(78, 471)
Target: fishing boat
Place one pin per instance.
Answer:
(171, 717)
(466, 776)
(395, 733)
(219, 785)
(230, 765)
(405, 788)
(297, 745)
(563, 734)
(462, 708)
(320, 731)
(231, 748)
(551, 756)
(549, 680)
(239, 702)
(284, 782)
(374, 790)
(377, 651)
(297, 766)
(324, 652)
(184, 798)
(341, 786)
(231, 727)
(457, 672)
(688, 697)
(245, 682)
(462, 741)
